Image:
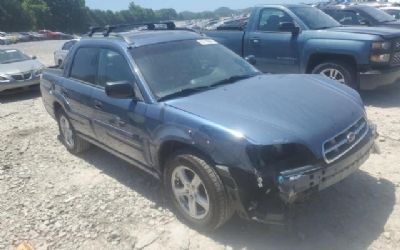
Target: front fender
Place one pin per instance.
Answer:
(358, 50)
(218, 144)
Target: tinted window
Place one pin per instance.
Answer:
(394, 13)
(348, 17)
(113, 68)
(68, 45)
(314, 18)
(377, 14)
(270, 19)
(85, 64)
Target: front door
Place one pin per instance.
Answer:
(119, 123)
(77, 89)
(274, 50)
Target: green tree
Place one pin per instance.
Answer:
(38, 12)
(13, 17)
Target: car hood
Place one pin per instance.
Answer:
(385, 32)
(19, 67)
(393, 24)
(278, 109)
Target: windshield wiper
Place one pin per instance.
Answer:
(189, 91)
(184, 92)
(232, 79)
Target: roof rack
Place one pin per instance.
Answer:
(169, 25)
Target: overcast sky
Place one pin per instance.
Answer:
(181, 5)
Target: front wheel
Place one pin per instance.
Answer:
(196, 191)
(337, 70)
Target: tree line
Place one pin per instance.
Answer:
(73, 16)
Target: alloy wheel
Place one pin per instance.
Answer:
(66, 131)
(190, 192)
(334, 74)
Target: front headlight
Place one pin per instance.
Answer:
(281, 157)
(4, 79)
(380, 58)
(381, 45)
(38, 72)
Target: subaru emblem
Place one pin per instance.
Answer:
(351, 137)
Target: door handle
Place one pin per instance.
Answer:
(255, 40)
(98, 104)
(117, 121)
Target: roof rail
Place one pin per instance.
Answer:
(110, 28)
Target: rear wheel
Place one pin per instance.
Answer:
(196, 191)
(338, 70)
(70, 139)
(59, 63)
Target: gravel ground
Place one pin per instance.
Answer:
(54, 200)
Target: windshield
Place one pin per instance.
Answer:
(379, 15)
(12, 55)
(314, 18)
(176, 67)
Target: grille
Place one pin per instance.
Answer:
(397, 45)
(342, 143)
(396, 58)
(22, 76)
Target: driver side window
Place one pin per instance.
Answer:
(113, 68)
(271, 19)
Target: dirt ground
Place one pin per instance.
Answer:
(54, 200)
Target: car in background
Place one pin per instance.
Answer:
(18, 70)
(393, 11)
(61, 54)
(48, 34)
(63, 36)
(6, 38)
(297, 38)
(21, 37)
(361, 15)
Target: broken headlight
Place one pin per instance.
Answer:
(281, 157)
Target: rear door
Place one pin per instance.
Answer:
(119, 123)
(78, 86)
(275, 51)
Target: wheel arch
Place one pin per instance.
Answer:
(171, 146)
(318, 58)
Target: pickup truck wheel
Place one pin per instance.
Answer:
(196, 191)
(339, 71)
(68, 135)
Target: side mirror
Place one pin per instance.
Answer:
(120, 90)
(251, 59)
(289, 27)
(34, 57)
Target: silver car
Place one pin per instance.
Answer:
(18, 70)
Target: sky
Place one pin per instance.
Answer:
(181, 5)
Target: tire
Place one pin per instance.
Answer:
(211, 189)
(70, 139)
(346, 73)
(59, 63)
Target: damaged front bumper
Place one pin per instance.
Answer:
(296, 184)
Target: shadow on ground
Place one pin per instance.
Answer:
(10, 96)
(384, 97)
(350, 215)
